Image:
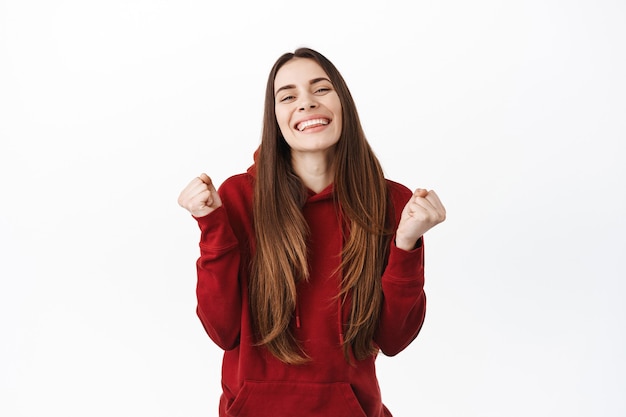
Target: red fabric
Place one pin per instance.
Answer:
(254, 382)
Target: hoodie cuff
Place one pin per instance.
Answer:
(215, 229)
(406, 265)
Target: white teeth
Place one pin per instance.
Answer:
(312, 122)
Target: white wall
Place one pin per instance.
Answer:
(513, 111)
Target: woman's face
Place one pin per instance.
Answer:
(308, 109)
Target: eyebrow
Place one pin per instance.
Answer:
(313, 81)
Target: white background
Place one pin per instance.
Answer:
(514, 111)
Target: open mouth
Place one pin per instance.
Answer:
(312, 123)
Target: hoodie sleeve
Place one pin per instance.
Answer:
(218, 289)
(404, 303)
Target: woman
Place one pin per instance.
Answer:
(311, 261)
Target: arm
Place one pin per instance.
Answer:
(404, 303)
(218, 292)
(218, 289)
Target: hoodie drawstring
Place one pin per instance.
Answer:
(339, 321)
(297, 315)
(344, 231)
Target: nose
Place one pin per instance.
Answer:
(307, 103)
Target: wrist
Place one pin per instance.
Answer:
(407, 244)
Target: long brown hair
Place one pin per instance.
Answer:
(280, 259)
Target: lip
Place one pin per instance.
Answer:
(311, 117)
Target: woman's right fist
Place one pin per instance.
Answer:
(200, 197)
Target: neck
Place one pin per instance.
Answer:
(315, 170)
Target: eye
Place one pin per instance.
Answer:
(322, 90)
(286, 98)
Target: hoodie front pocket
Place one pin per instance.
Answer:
(295, 399)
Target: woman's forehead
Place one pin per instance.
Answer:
(298, 70)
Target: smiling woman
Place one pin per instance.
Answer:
(311, 262)
(308, 112)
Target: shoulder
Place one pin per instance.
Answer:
(237, 183)
(399, 195)
(237, 190)
(398, 192)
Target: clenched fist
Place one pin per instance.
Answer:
(421, 213)
(200, 197)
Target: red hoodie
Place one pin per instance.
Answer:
(254, 382)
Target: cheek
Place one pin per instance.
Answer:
(282, 119)
(338, 111)
(339, 121)
(283, 127)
